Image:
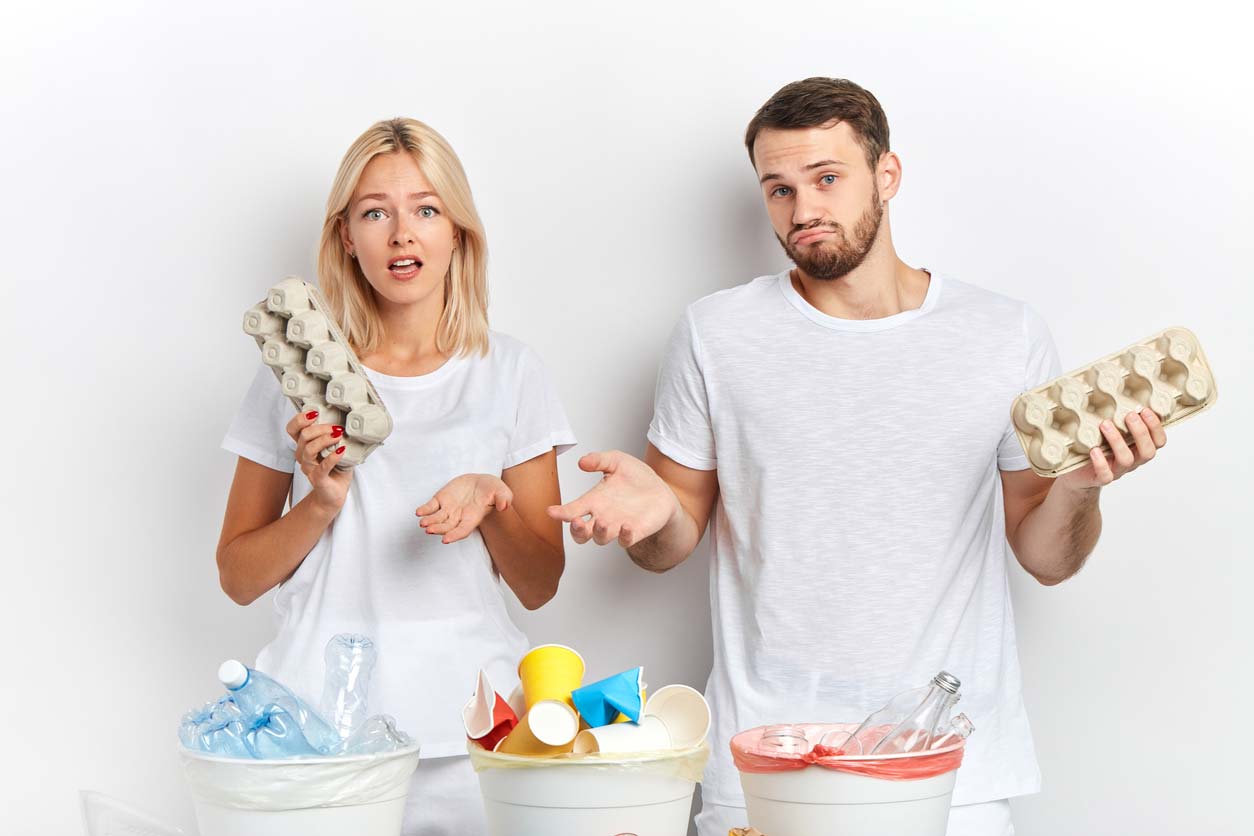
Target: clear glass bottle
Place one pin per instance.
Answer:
(909, 720)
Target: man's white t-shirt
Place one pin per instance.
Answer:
(858, 542)
(435, 612)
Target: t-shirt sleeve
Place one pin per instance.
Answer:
(258, 430)
(540, 423)
(1042, 366)
(681, 428)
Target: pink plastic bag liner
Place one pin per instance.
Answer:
(750, 756)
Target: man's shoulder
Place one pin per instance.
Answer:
(727, 305)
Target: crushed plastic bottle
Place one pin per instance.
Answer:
(217, 728)
(350, 662)
(274, 733)
(256, 694)
(376, 735)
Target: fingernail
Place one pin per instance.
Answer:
(1134, 416)
(339, 450)
(336, 432)
(311, 414)
(1108, 424)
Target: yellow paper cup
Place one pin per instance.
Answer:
(549, 728)
(550, 672)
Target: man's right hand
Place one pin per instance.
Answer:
(629, 504)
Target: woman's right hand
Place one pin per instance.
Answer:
(330, 486)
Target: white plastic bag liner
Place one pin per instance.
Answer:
(645, 793)
(105, 816)
(363, 795)
(814, 800)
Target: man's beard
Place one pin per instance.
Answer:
(832, 259)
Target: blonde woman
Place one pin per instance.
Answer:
(410, 547)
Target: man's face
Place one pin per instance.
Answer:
(822, 197)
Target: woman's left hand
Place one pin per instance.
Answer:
(459, 507)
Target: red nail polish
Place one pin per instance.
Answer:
(336, 432)
(311, 415)
(339, 450)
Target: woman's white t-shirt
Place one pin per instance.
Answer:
(435, 612)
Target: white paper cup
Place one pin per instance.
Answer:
(650, 735)
(685, 713)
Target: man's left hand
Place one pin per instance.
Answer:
(1148, 437)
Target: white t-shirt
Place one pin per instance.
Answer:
(435, 612)
(858, 542)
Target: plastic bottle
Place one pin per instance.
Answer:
(215, 728)
(274, 733)
(909, 720)
(375, 735)
(256, 694)
(350, 661)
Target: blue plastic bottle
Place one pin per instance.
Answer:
(257, 694)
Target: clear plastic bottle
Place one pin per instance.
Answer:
(255, 694)
(909, 720)
(274, 733)
(215, 728)
(375, 735)
(350, 661)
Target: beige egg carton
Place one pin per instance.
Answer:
(1060, 422)
(316, 367)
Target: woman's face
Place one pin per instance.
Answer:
(399, 232)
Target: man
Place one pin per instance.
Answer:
(845, 428)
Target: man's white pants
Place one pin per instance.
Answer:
(992, 818)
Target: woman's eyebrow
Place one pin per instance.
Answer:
(379, 196)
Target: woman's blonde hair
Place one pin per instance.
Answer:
(463, 327)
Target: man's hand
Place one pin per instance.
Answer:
(629, 504)
(1148, 437)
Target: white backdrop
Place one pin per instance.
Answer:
(161, 167)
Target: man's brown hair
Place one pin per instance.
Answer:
(819, 102)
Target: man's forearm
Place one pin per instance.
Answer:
(1057, 536)
(670, 546)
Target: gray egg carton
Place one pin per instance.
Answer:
(1059, 423)
(315, 366)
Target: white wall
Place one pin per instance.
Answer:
(161, 167)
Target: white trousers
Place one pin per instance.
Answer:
(444, 800)
(992, 818)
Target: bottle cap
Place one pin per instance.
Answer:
(947, 681)
(233, 674)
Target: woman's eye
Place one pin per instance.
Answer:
(427, 212)
(373, 214)
(827, 179)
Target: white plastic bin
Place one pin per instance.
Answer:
(649, 794)
(814, 801)
(363, 795)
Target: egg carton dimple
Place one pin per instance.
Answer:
(1060, 422)
(316, 368)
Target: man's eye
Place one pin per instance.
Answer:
(782, 191)
(828, 179)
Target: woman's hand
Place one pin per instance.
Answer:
(459, 507)
(330, 486)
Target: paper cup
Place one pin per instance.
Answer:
(549, 728)
(550, 672)
(685, 713)
(602, 703)
(644, 697)
(650, 735)
(517, 701)
(487, 716)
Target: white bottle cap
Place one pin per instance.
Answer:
(233, 674)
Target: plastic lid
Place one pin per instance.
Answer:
(233, 674)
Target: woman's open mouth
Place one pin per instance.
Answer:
(404, 268)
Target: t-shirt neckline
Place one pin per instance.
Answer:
(784, 280)
(420, 381)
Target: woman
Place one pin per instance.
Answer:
(409, 547)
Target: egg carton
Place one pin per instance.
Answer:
(1060, 422)
(316, 368)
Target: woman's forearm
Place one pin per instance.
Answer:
(257, 561)
(530, 565)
